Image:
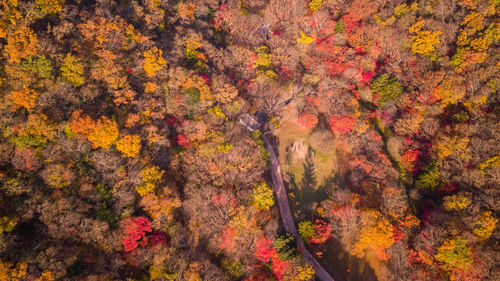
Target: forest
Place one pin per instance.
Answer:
(123, 158)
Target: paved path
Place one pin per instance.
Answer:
(286, 214)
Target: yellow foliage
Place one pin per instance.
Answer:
(72, 70)
(153, 61)
(49, 6)
(424, 41)
(376, 235)
(192, 274)
(10, 273)
(151, 87)
(457, 146)
(490, 163)
(24, 98)
(304, 39)
(306, 272)
(485, 226)
(7, 224)
(315, 5)
(263, 57)
(151, 177)
(20, 44)
(450, 91)
(129, 145)
(456, 202)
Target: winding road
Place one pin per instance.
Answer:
(280, 190)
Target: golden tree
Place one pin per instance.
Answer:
(153, 61)
(129, 145)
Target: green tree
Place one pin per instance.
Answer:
(307, 230)
(286, 246)
(388, 88)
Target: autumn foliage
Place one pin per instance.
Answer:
(134, 232)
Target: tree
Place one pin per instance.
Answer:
(388, 88)
(49, 6)
(424, 41)
(24, 98)
(151, 177)
(263, 196)
(307, 120)
(454, 255)
(101, 133)
(484, 226)
(129, 145)
(21, 43)
(134, 232)
(72, 70)
(457, 202)
(307, 231)
(36, 132)
(153, 61)
(376, 235)
(286, 246)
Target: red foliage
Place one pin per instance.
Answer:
(312, 100)
(207, 79)
(134, 231)
(264, 250)
(409, 159)
(307, 120)
(279, 267)
(285, 73)
(365, 76)
(397, 233)
(157, 238)
(323, 230)
(129, 70)
(342, 125)
(183, 141)
(171, 121)
(219, 199)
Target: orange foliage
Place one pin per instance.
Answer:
(24, 98)
(102, 133)
(20, 44)
(160, 206)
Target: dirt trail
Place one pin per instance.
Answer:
(286, 214)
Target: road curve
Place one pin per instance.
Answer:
(286, 214)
